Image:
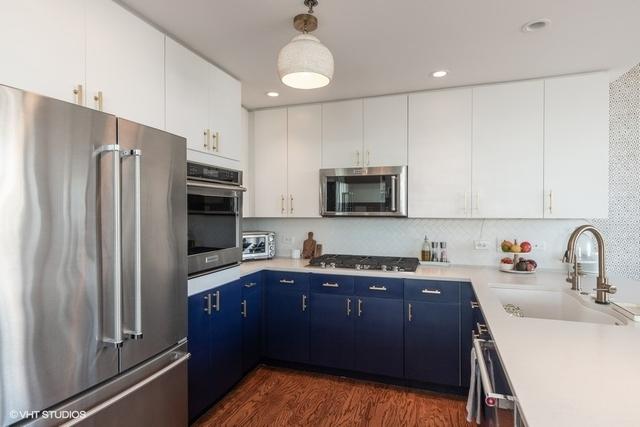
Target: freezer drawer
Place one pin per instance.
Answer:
(154, 394)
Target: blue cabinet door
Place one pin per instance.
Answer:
(251, 320)
(226, 344)
(200, 384)
(331, 330)
(379, 340)
(287, 324)
(432, 352)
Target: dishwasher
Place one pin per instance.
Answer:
(499, 406)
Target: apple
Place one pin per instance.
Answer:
(525, 246)
(506, 260)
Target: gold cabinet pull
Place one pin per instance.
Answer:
(98, 99)
(282, 210)
(550, 201)
(78, 94)
(216, 138)
(291, 205)
(207, 135)
(368, 157)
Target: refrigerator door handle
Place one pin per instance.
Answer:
(118, 397)
(136, 332)
(116, 339)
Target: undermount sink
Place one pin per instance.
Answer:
(555, 304)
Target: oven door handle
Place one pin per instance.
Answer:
(216, 186)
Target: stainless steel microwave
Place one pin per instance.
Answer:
(379, 191)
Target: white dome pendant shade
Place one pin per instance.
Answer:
(305, 63)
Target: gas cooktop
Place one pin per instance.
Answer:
(361, 262)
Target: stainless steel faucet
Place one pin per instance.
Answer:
(603, 288)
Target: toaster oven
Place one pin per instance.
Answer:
(258, 245)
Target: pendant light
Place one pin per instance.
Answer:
(305, 63)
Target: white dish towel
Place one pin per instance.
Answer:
(474, 401)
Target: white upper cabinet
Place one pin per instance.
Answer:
(342, 134)
(125, 64)
(187, 97)
(270, 163)
(246, 161)
(440, 154)
(508, 123)
(576, 147)
(224, 114)
(304, 153)
(203, 104)
(385, 131)
(43, 46)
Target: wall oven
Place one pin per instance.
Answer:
(214, 207)
(379, 191)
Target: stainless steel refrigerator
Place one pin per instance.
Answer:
(93, 267)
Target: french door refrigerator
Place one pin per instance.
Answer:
(93, 267)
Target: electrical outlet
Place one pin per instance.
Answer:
(287, 240)
(481, 245)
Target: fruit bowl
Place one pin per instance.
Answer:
(513, 247)
(505, 266)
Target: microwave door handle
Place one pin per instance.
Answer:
(136, 331)
(394, 185)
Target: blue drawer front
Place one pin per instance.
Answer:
(298, 281)
(332, 284)
(432, 291)
(379, 287)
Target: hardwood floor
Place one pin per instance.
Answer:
(271, 396)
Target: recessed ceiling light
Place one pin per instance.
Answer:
(273, 94)
(536, 25)
(439, 73)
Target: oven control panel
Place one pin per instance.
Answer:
(202, 172)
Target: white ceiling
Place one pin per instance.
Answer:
(391, 46)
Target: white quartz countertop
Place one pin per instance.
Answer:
(563, 373)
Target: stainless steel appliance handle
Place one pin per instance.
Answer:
(431, 291)
(216, 186)
(394, 188)
(116, 339)
(491, 397)
(377, 288)
(330, 285)
(136, 332)
(107, 403)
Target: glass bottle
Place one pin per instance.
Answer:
(425, 255)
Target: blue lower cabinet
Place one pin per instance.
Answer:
(226, 334)
(379, 341)
(200, 384)
(252, 310)
(215, 344)
(287, 318)
(331, 330)
(431, 350)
